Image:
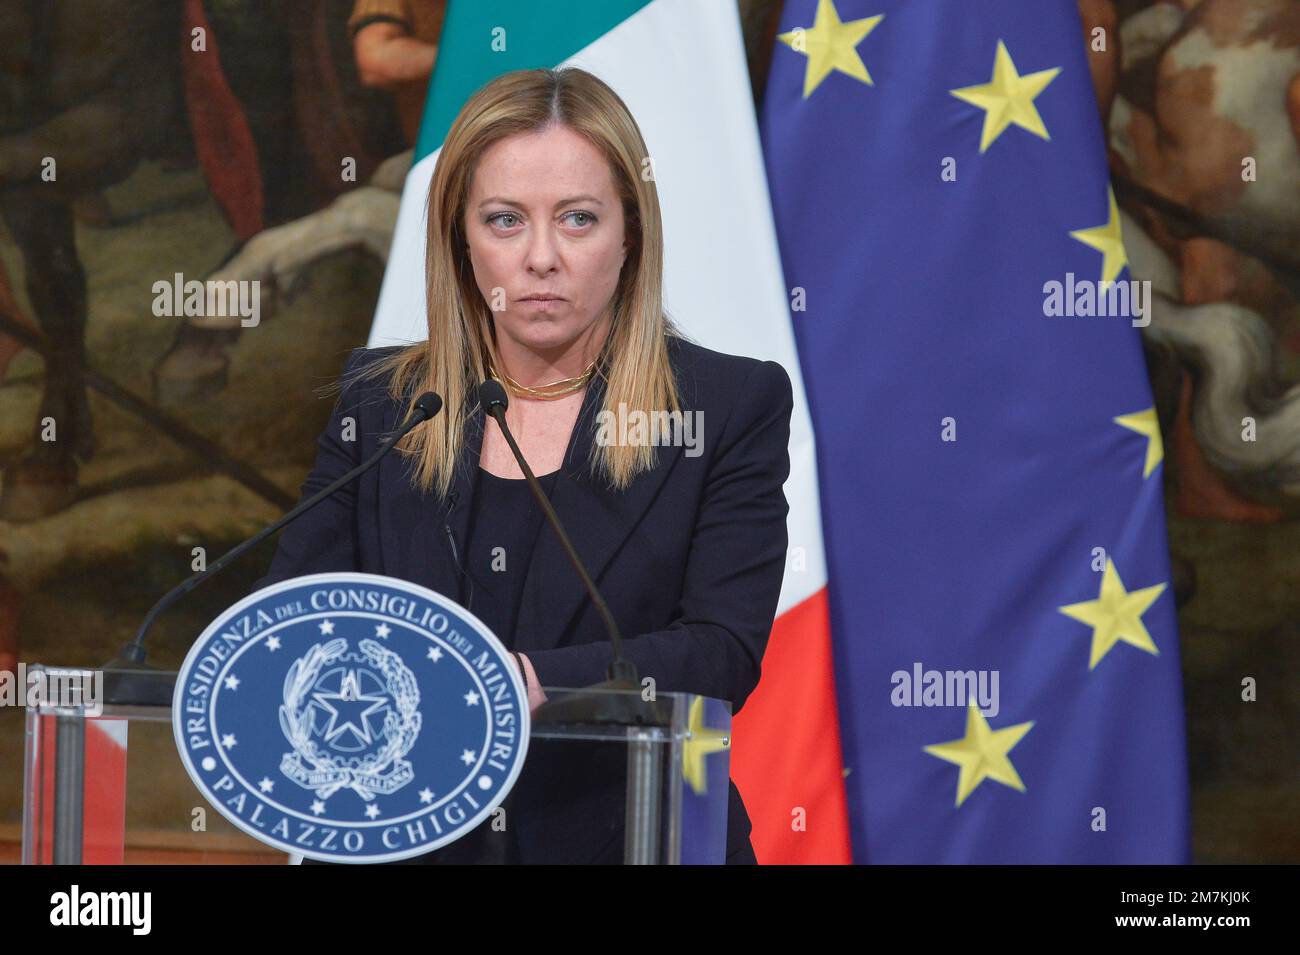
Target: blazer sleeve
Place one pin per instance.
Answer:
(733, 576)
(324, 538)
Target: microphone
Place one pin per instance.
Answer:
(426, 407)
(622, 672)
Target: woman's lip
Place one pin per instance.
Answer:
(542, 298)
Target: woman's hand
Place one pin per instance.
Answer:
(535, 695)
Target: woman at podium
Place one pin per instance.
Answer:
(544, 267)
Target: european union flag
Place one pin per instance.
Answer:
(1005, 633)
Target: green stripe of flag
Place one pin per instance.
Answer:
(537, 33)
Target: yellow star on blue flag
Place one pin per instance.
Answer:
(982, 753)
(700, 743)
(1008, 98)
(831, 44)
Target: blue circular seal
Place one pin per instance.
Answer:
(351, 717)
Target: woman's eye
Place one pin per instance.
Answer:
(508, 220)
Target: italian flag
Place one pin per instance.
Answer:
(680, 67)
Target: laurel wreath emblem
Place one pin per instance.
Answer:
(382, 772)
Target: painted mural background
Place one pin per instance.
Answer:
(256, 141)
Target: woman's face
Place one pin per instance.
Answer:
(543, 219)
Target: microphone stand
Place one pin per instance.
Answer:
(131, 660)
(623, 708)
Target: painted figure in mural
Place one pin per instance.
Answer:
(1207, 117)
(339, 108)
(78, 110)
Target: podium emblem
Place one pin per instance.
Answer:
(351, 718)
(351, 725)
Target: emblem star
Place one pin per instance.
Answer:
(471, 698)
(1008, 98)
(467, 757)
(426, 795)
(1108, 240)
(1146, 424)
(435, 654)
(265, 784)
(273, 643)
(831, 44)
(982, 754)
(382, 630)
(327, 627)
(1116, 615)
(372, 811)
(318, 807)
(701, 741)
(350, 710)
(232, 682)
(228, 741)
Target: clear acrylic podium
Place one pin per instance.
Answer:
(110, 788)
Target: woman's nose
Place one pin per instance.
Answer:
(542, 251)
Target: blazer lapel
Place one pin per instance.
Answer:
(417, 529)
(597, 520)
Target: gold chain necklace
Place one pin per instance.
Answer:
(549, 391)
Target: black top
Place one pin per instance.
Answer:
(697, 605)
(503, 526)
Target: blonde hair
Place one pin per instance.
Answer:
(633, 362)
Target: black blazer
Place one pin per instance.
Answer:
(689, 558)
